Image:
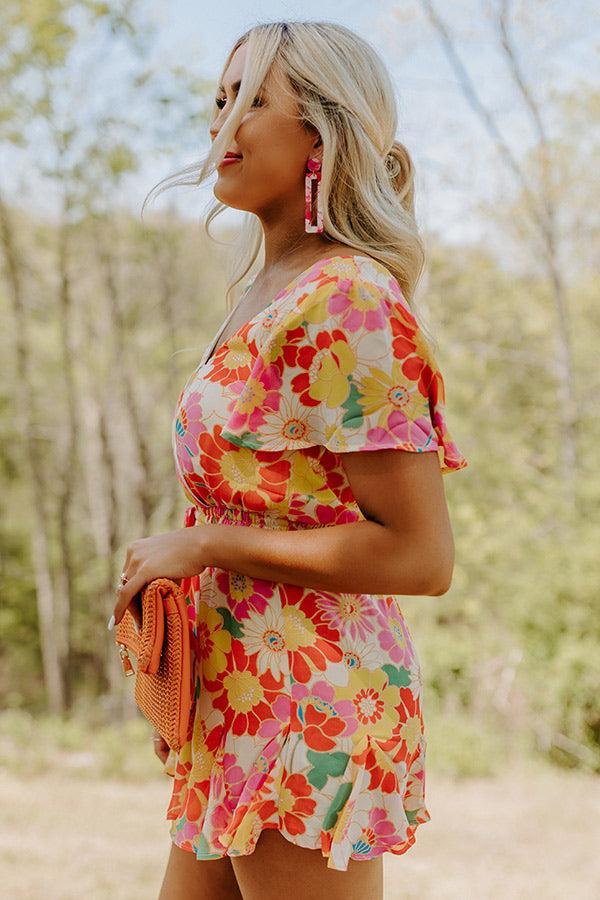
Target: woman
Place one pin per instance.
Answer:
(305, 753)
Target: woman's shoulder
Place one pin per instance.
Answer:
(345, 255)
(362, 277)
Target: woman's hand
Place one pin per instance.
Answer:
(172, 554)
(161, 748)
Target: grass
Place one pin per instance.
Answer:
(532, 830)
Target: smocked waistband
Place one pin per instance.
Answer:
(227, 515)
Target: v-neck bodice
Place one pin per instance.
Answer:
(212, 347)
(280, 295)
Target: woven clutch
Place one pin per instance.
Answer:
(163, 684)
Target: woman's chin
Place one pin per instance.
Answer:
(231, 198)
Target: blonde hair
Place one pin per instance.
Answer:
(344, 91)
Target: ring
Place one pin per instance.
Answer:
(123, 580)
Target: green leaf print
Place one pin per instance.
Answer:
(203, 850)
(247, 439)
(324, 765)
(411, 815)
(229, 623)
(343, 792)
(397, 675)
(354, 412)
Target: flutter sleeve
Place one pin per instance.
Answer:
(347, 368)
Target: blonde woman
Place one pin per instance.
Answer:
(311, 441)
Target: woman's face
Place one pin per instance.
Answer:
(269, 178)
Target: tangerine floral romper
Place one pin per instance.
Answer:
(306, 714)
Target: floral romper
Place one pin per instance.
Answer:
(306, 714)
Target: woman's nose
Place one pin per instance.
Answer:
(214, 132)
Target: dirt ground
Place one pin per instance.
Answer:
(532, 832)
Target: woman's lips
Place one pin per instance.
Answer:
(229, 159)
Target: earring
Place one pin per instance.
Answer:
(313, 173)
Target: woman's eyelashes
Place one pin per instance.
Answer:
(221, 101)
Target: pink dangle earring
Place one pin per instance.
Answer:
(313, 174)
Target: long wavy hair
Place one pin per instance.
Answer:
(342, 89)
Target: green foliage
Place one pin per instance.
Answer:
(462, 746)
(32, 745)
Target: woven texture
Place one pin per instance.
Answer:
(163, 681)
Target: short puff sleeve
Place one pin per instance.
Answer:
(347, 368)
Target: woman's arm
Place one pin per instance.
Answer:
(405, 547)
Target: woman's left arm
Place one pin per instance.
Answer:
(405, 546)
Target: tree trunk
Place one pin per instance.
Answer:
(34, 474)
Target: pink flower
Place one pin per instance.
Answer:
(259, 393)
(351, 614)
(233, 776)
(415, 434)
(188, 427)
(281, 707)
(244, 593)
(360, 307)
(380, 834)
(395, 639)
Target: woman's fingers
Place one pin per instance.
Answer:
(135, 608)
(127, 595)
(161, 748)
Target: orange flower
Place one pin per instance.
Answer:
(295, 802)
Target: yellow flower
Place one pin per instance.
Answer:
(244, 691)
(237, 353)
(331, 368)
(411, 733)
(374, 702)
(344, 267)
(299, 630)
(214, 642)
(203, 764)
(246, 833)
(316, 310)
(382, 390)
(309, 476)
(241, 587)
(239, 469)
(286, 801)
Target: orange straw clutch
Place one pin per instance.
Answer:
(163, 684)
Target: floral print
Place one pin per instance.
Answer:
(306, 713)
